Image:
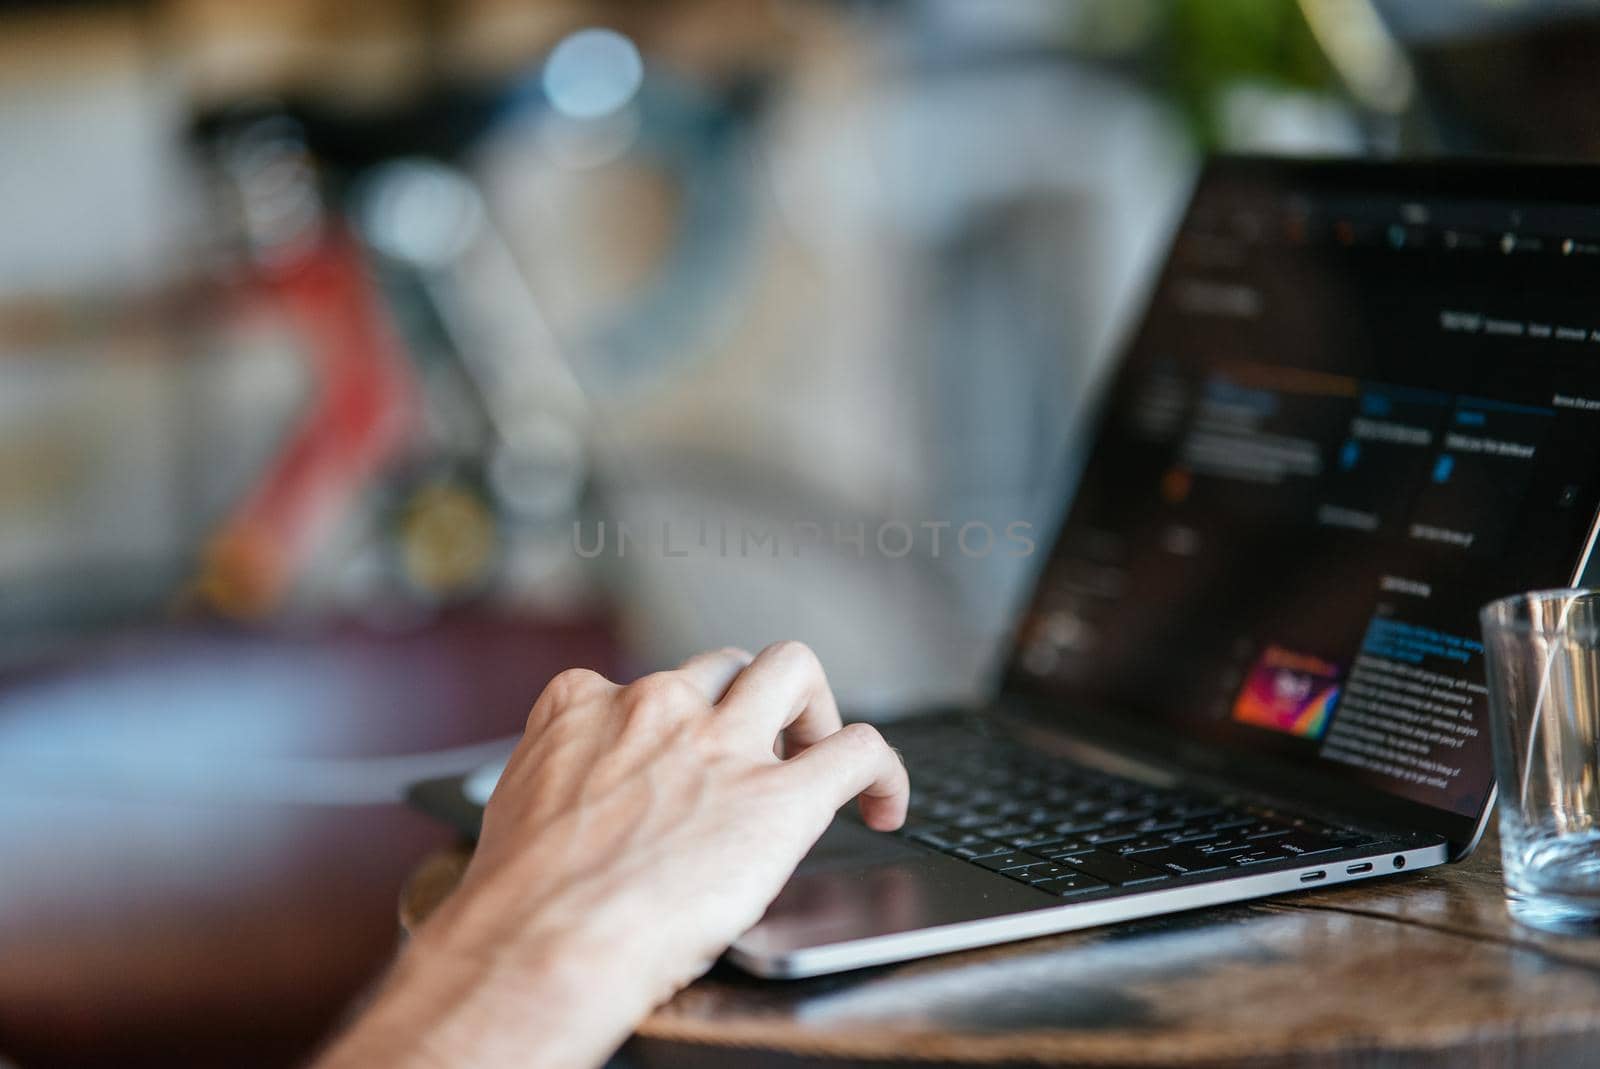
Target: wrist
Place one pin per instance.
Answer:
(457, 997)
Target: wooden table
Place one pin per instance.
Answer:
(1415, 970)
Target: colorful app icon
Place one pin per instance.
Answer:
(1289, 692)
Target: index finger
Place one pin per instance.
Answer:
(856, 762)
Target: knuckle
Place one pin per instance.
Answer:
(796, 654)
(737, 653)
(662, 692)
(863, 737)
(566, 689)
(571, 684)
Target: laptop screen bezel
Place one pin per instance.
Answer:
(1164, 740)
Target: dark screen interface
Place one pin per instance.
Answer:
(1353, 414)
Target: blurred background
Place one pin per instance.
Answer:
(363, 364)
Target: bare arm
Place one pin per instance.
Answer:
(637, 831)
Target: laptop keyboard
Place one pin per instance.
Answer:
(1071, 831)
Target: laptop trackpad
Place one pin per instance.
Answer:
(856, 883)
(848, 843)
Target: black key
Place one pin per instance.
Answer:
(1025, 873)
(1197, 810)
(1232, 819)
(1016, 859)
(1005, 831)
(949, 840)
(1265, 829)
(970, 821)
(1188, 835)
(1257, 855)
(1065, 847)
(1014, 809)
(1182, 860)
(1304, 844)
(1068, 886)
(1039, 842)
(1126, 815)
(1221, 846)
(1040, 873)
(981, 848)
(1144, 842)
(1079, 825)
(1118, 871)
(1111, 835)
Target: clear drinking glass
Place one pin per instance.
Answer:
(1542, 654)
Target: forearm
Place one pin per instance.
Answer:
(442, 1007)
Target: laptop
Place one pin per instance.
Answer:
(1363, 400)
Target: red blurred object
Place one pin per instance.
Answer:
(362, 409)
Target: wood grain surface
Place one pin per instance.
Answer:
(1413, 970)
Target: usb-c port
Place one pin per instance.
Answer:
(1356, 870)
(1313, 877)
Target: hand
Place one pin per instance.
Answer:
(637, 831)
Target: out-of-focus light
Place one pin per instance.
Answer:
(1362, 50)
(539, 471)
(592, 73)
(419, 211)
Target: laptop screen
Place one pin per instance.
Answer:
(1364, 400)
